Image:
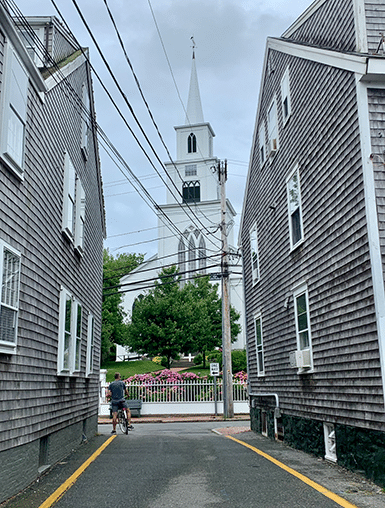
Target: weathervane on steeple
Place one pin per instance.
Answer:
(193, 46)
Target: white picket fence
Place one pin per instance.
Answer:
(195, 396)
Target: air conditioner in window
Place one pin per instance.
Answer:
(273, 146)
(300, 359)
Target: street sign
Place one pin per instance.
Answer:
(214, 369)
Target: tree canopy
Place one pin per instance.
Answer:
(114, 327)
(171, 319)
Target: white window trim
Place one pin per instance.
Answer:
(67, 194)
(7, 347)
(85, 114)
(262, 133)
(300, 242)
(257, 317)
(286, 78)
(255, 277)
(75, 338)
(61, 371)
(80, 216)
(90, 345)
(9, 55)
(297, 292)
(271, 150)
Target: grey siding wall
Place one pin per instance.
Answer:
(331, 26)
(375, 23)
(376, 101)
(36, 402)
(334, 259)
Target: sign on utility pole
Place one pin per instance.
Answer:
(228, 404)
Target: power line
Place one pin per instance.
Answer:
(136, 119)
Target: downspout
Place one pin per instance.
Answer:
(277, 411)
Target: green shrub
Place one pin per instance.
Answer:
(239, 360)
(198, 359)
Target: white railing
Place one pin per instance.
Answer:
(177, 397)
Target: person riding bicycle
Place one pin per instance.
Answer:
(117, 389)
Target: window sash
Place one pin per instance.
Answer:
(254, 255)
(10, 261)
(285, 95)
(294, 208)
(302, 318)
(262, 146)
(272, 122)
(14, 114)
(90, 345)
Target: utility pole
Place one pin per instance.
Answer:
(228, 405)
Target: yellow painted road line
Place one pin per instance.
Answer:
(334, 497)
(72, 479)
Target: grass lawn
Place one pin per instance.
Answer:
(128, 369)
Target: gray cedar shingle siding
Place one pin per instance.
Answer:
(375, 23)
(331, 26)
(376, 101)
(334, 260)
(36, 401)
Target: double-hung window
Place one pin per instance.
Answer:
(272, 128)
(254, 255)
(90, 345)
(9, 303)
(14, 111)
(85, 114)
(302, 324)
(259, 345)
(294, 208)
(70, 334)
(285, 96)
(69, 197)
(262, 145)
(74, 200)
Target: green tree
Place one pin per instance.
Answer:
(114, 327)
(172, 319)
(204, 326)
(158, 318)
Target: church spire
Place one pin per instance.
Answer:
(194, 112)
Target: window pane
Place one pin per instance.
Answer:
(301, 304)
(302, 322)
(296, 228)
(7, 324)
(67, 325)
(293, 193)
(15, 137)
(260, 362)
(304, 340)
(10, 282)
(258, 334)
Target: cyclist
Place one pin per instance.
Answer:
(117, 389)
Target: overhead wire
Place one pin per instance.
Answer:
(102, 136)
(137, 121)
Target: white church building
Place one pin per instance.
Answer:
(193, 206)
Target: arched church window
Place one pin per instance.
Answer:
(191, 257)
(191, 143)
(202, 255)
(182, 257)
(191, 192)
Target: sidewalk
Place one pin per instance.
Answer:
(179, 418)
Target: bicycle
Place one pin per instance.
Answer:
(122, 421)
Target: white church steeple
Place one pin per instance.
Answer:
(194, 112)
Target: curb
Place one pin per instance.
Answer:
(178, 418)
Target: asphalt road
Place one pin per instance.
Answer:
(180, 465)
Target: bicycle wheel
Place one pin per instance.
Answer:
(123, 424)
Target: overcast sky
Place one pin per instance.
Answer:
(230, 37)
